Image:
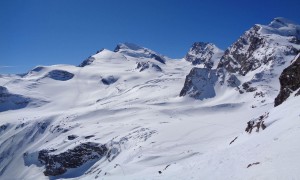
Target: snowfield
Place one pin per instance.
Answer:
(120, 114)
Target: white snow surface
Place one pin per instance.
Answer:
(154, 129)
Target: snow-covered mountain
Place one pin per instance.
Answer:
(251, 66)
(136, 51)
(128, 113)
(204, 54)
(262, 47)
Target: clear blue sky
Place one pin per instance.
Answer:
(45, 32)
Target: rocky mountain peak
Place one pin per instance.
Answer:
(256, 58)
(262, 46)
(203, 53)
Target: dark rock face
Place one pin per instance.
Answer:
(289, 82)
(109, 80)
(148, 65)
(202, 53)
(89, 60)
(239, 57)
(256, 48)
(58, 164)
(60, 75)
(199, 83)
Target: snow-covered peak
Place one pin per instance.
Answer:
(281, 22)
(204, 54)
(281, 26)
(127, 46)
(136, 51)
(263, 47)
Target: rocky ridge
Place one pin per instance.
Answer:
(255, 59)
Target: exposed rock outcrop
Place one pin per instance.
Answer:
(141, 66)
(199, 83)
(289, 81)
(89, 60)
(260, 53)
(58, 164)
(262, 45)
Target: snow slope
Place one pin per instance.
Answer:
(145, 130)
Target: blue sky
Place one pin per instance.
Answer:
(45, 32)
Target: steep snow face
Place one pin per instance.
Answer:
(133, 50)
(204, 54)
(263, 47)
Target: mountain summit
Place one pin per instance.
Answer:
(205, 54)
(133, 50)
(256, 58)
(262, 46)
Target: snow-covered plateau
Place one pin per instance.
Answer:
(132, 113)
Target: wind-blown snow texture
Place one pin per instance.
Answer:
(119, 114)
